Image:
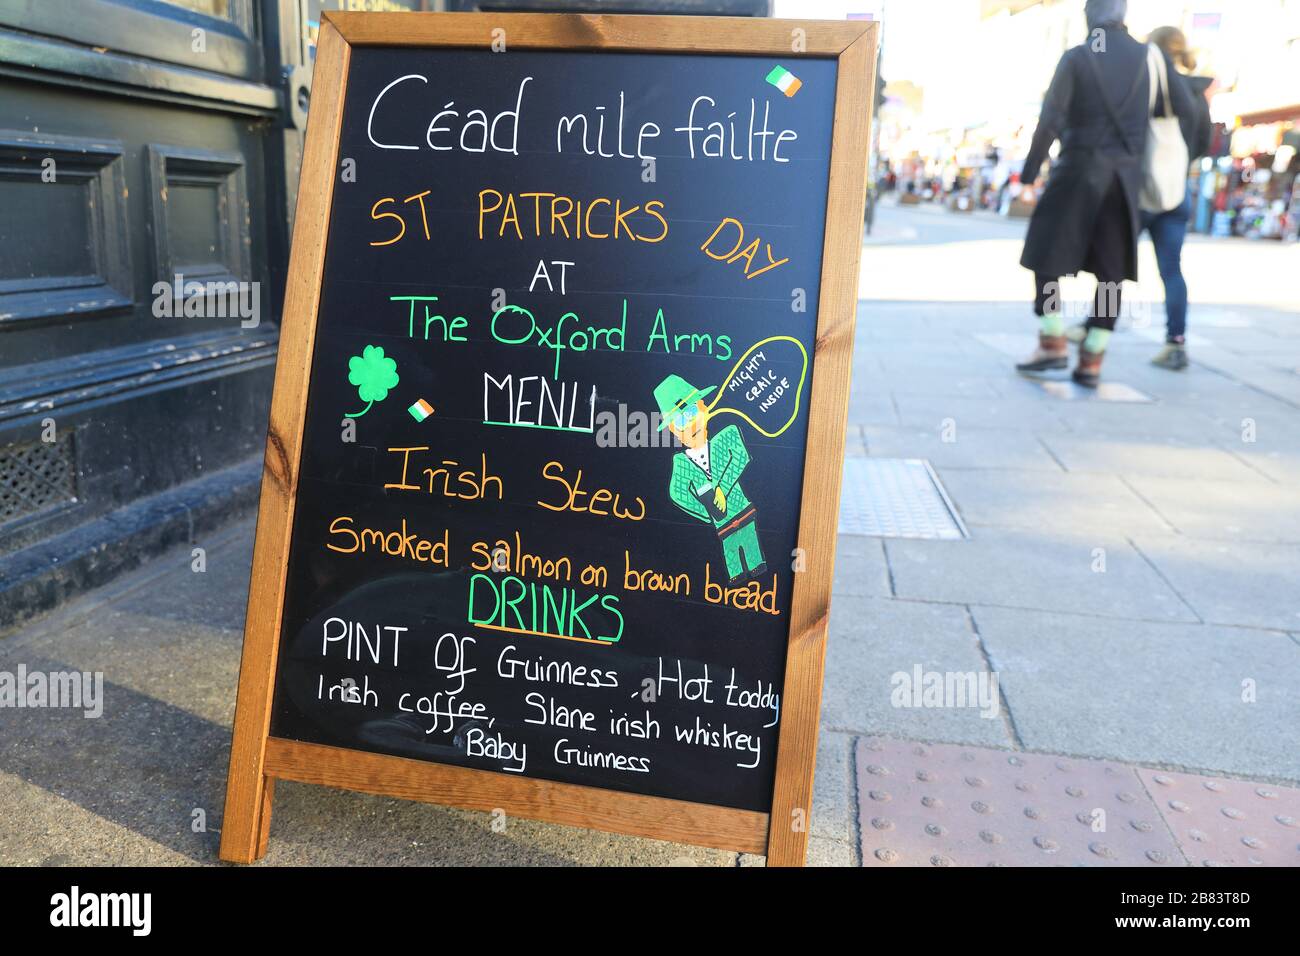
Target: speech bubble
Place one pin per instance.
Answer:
(763, 385)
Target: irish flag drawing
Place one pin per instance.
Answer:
(784, 80)
(420, 410)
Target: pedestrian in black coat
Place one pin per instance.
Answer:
(1087, 218)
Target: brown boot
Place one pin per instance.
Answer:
(1053, 352)
(1088, 372)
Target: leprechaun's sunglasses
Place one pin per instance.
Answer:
(684, 417)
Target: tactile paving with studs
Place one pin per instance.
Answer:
(947, 805)
(1221, 822)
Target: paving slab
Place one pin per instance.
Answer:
(1253, 438)
(873, 640)
(1271, 351)
(1281, 462)
(1227, 582)
(1273, 376)
(834, 802)
(1157, 422)
(855, 446)
(1061, 503)
(1186, 392)
(1006, 345)
(1166, 459)
(1237, 405)
(1197, 697)
(1108, 390)
(962, 370)
(860, 568)
(1027, 569)
(1254, 427)
(1225, 822)
(872, 407)
(937, 805)
(954, 356)
(973, 448)
(945, 386)
(1223, 510)
(930, 412)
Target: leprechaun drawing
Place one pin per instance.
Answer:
(706, 475)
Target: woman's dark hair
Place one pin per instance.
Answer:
(1103, 12)
(1174, 43)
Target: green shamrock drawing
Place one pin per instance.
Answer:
(373, 374)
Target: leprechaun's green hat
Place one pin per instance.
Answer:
(675, 393)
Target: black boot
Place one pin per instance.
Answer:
(1088, 372)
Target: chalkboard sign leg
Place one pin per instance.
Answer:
(264, 825)
(246, 825)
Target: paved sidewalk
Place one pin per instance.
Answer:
(1131, 570)
(1130, 579)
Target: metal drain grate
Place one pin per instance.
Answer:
(35, 476)
(897, 498)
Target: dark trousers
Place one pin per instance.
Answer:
(1107, 260)
(1168, 230)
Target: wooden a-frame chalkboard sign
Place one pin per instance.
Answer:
(548, 513)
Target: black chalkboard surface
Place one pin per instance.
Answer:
(500, 560)
(548, 512)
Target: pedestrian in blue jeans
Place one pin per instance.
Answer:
(1168, 230)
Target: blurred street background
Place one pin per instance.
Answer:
(963, 82)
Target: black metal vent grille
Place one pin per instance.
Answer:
(36, 476)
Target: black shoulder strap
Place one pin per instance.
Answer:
(1110, 109)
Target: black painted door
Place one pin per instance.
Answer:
(145, 146)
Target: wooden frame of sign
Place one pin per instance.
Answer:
(257, 759)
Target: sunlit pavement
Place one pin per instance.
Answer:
(1129, 576)
(1131, 566)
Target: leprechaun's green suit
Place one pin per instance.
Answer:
(737, 526)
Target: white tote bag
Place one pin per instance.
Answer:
(1165, 162)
